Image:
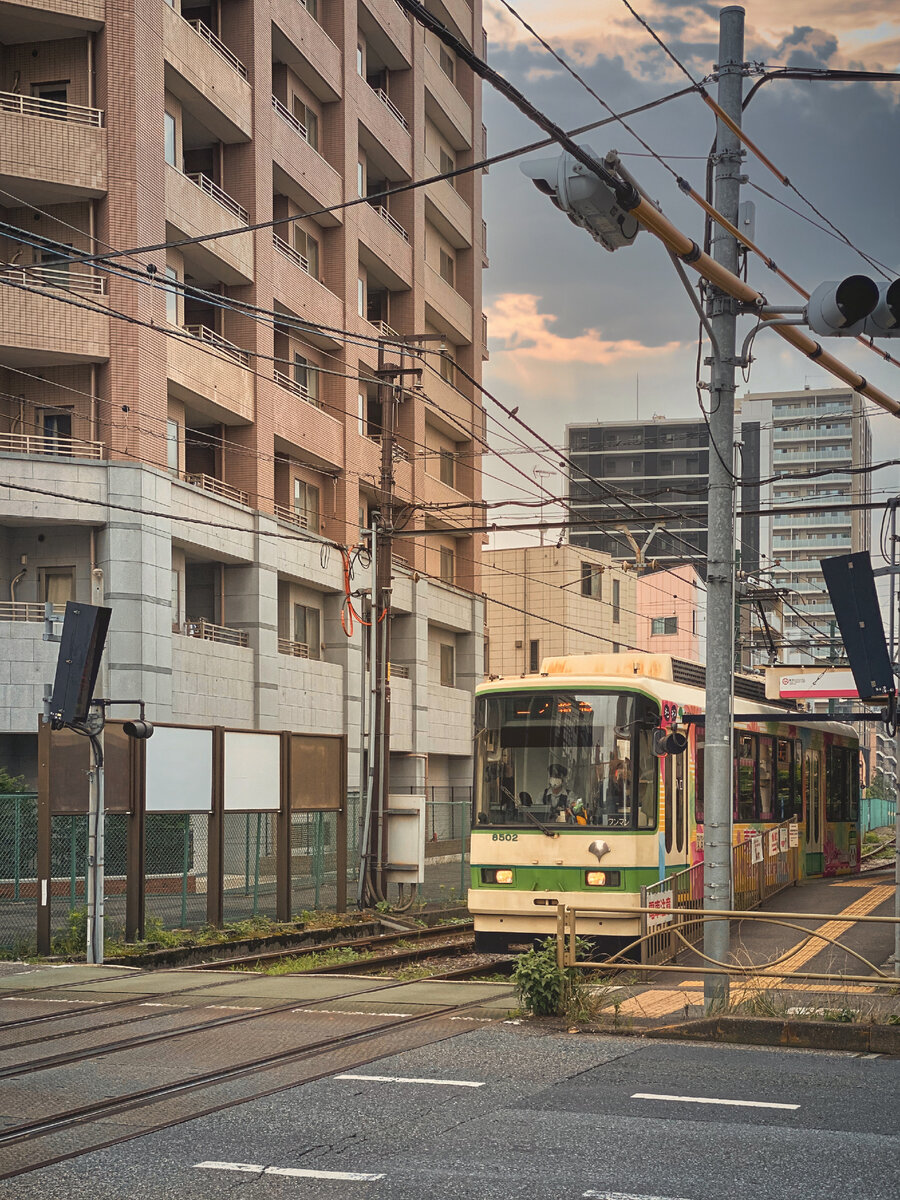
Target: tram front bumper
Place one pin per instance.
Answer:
(535, 913)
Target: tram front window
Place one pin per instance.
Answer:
(566, 758)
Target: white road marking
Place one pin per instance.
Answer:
(259, 1169)
(238, 1007)
(349, 1012)
(626, 1196)
(156, 1004)
(404, 1079)
(712, 1100)
(41, 1000)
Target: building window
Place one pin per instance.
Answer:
(172, 440)
(309, 120)
(360, 62)
(447, 462)
(176, 601)
(447, 367)
(448, 565)
(56, 426)
(312, 7)
(58, 263)
(361, 297)
(57, 585)
(306, 376)
(306, 629)
(170, 140)
(307, 247)
(663, 626)
(306, 504)
(172, 297)
(448, 268)
(534, 656)
(55, 92)
(615, 601)
(447, 63)
(448, 162)
(448, 666)
(591, 580)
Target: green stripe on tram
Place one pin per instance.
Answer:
(569, 879)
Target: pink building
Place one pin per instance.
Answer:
(671, 617)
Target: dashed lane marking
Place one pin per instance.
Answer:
(625, 1196)
(712, 1100)
(404, 1079)
(42, 1000)
(294, 1172)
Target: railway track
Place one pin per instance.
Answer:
(66, 1133)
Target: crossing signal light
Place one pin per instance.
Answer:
(140, 730)
(584, 197)
(80, 650)
(855, 305)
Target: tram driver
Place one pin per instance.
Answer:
(555, 795)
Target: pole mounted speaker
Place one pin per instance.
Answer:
(80, 650)
(851, 588)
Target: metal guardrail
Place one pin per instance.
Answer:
(60, 279)
(209, 632)
(288, 116)
(386, 216)
(288, 251)
(203, 333)
(30, 443)
(219, 488)
(294, 649)
(399, 452)
(285, 513)
(284, 380)
(385, 330)
(205, 184)
(219, 46)
(391, 107)
(56, 110)
(23, 610)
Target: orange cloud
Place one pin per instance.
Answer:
(514, 319)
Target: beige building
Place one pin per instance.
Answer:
(552, 600)
(202, 454)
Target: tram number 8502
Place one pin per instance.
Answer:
(504, 837)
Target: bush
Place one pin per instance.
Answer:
(540, 984)
(72, 940)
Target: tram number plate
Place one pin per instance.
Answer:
(504, 837)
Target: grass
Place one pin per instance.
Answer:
(311, 962)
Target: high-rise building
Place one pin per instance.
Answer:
(645, 483)
(190, 427)
(803, 434)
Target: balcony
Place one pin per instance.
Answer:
(285, 381)
(300, 172)
(209, 632)
(304, 427)
(451, 403)
(68, 447)
(300, 291)
(51, 152)
(300, 42)
(294, 649)
(207, 77)
(384, 246)
(386, 26)
(38, 328)
(447, 305)
(445, 106)
(196, 205)
(210, 373)
(57, 279)
(291, 516)
(65, 18)
(446, 210)
(385, 124)
(455, 14)
(218, 488)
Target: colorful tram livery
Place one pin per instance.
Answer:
(577, 800)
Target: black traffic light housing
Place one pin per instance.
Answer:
(140, 730)
(80, 650)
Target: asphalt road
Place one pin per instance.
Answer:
(553, 1117)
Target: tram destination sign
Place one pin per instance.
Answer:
(811, 683)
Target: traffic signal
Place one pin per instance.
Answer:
(80, 650)
(140, 730)
(855, 305)
(584, 197)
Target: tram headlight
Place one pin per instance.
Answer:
(602, 878)
(496, 875)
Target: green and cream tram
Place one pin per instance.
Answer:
(576, 800)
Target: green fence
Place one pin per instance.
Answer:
(68, 867)
(18, 872)
(249, 854)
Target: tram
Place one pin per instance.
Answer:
(582, 797)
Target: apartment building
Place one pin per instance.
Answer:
(648, 478)
(543, 601)
(194, 428)
(803, 432)
(672, 613)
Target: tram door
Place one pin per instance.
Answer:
(676, 807)
(814, 809)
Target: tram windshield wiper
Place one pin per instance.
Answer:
(540, 824)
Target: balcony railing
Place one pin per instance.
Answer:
(287, 115)
(55, 110)
(205, 184)
(215, 633)
(220, 48)
(285, 381)
(288, 251)
(285, 513)
(391, 107)
(19, 610)
(61, 279)
(385, 330)
(30, 443)
(386, 216)
(210, 484)
(399, 452)
(203, 333)
(294, 649)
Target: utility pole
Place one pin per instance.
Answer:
(718, 750)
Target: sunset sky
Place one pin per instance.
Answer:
(577, 333)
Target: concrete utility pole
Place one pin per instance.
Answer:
(720, 578)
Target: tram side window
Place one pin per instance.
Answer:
(797, 804)
(854, 773)
(838, 784)
(745, 777)
(698, 783)
(766, 782)
(788, 770)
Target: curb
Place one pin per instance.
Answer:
(770, 1031)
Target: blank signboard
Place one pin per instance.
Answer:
(252, 772)
(179, 770)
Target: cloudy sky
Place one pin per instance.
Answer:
(577, 333)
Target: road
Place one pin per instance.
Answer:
(508, 1110)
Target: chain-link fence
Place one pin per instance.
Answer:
(175, 869)
(447, 826)
(68, 870)
(18, 872)
(313, 861)
(249, 851)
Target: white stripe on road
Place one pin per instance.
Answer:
(626, 1196)
(712, 1100)
(43, 1000)
(259, 1169)
(403, 1079)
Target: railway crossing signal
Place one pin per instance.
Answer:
(584, 197)
(855, 305)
